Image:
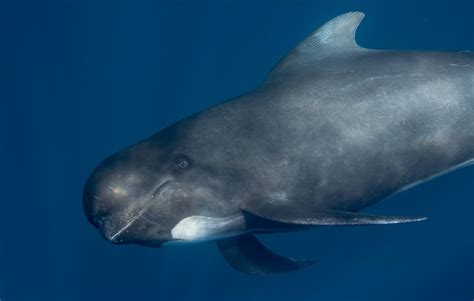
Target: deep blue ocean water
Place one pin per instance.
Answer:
(83, 79)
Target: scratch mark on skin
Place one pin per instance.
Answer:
(386, 76)
(117, 190)
(140, 213)
(158, 191)
(97, 198)
(457, 65)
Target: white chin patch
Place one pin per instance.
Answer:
(198, 228)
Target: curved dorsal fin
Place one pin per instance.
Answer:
(338, 33)
(335, 36)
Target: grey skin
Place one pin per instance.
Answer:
(334, 129)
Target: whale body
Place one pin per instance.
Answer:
(334, 128)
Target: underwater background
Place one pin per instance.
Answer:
(80, 80)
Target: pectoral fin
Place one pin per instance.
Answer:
(287, 213)
(246, 254)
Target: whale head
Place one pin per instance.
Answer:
(157, 192)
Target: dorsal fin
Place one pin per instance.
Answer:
(335, 36)
(338, 33)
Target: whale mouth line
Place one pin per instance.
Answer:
(156, 193)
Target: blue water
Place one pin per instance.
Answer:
(82, 79)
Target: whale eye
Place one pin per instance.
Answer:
(183, 164)
(182, 161)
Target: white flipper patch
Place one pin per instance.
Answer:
(198, 228)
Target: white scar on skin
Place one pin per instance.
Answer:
(132, 220)
(200, 228)
(118, 190)
(457, 65)
(138, 215)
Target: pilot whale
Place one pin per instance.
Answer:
(333, 129)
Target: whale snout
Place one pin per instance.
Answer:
(104, 195)
(95, 207)
(117, 198)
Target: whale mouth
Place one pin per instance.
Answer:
(115, 237)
